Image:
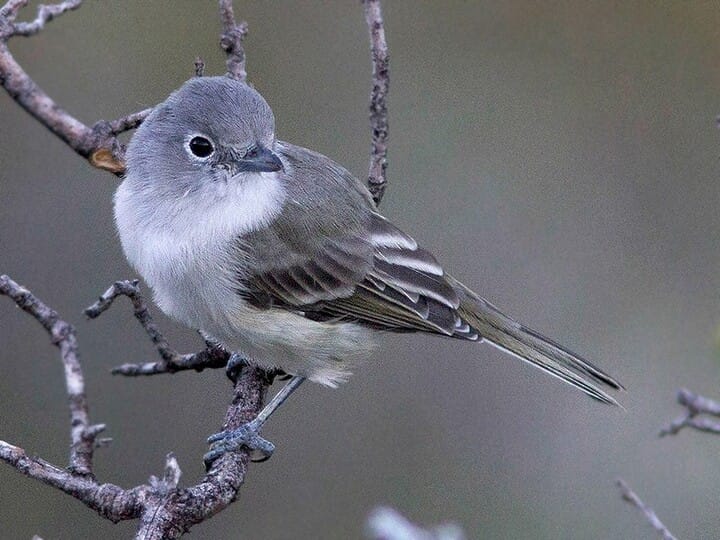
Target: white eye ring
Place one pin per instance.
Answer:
(200, 147)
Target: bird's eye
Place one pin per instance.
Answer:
(200, 147)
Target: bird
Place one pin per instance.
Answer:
(279, 255)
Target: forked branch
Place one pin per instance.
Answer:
(98, 144)
(696, 406)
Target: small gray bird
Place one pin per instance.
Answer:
(278, 254)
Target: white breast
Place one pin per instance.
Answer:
(180, 246)
(181, 249)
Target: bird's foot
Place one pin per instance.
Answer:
(235, 363)
(247, 435)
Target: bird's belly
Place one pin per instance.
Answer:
(270, 338)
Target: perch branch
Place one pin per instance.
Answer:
(170, 516)
(98, 144)
(165, 511)
(377, 180)
(631, 497)
(695, 405)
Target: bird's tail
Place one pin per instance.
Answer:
(531, 346)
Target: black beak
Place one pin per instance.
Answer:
(259, 159)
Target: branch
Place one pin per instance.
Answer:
(231, 41)
(108, 500)
(631, 497)
(78, 480)
(83, 435)
(171, 361)
(45, 14)
(169, 517)
(378, 97)
(98, 144)
(165, 511)
(695, 405)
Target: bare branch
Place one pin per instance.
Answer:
(377, 180)
(171, 516)
(82, 433)
(165, 511)
(695, 405)
(46, 13)
(172, 361)
(231, 41)
(210, 358)
(131, 289)
(108, 500)
(98, 144)
(131, 121)
(631, 497)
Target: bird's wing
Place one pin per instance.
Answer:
(351, 265)
(377, 276)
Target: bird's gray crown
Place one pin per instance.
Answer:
(231, 115)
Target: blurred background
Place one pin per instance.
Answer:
(561, 159)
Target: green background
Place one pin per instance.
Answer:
(561, 159)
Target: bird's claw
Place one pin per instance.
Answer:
(247, 435)
(235, 363)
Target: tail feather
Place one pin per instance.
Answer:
(528, 345)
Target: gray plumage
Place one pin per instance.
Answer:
(279, 253)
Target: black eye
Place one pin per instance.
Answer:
(201, 147)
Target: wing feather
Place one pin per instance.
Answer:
(379, 277)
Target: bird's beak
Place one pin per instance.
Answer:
(259, 159)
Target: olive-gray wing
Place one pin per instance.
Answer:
(377, 277)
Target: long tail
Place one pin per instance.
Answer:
(530, 346)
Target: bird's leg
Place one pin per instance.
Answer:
(248, 435)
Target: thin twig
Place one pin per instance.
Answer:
(131, 121)
(631, 497)
(97, 144)
(172, 361)
(131, 289)
(210, 358)
(199, 66)
(231, 41)
(82, 433)
(377, 180)
(695, 405)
